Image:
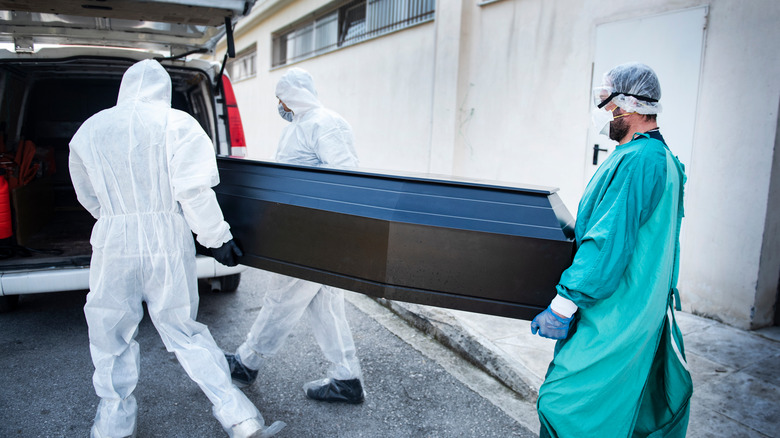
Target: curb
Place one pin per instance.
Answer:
(473, 347)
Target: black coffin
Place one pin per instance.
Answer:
(456, 244)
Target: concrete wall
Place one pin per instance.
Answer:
(768, 284)
(502, 92)
(728, 191)
(385, 93)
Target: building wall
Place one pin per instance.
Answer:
(768, 284)
(502, 92)
(360, 82)
(728, 191)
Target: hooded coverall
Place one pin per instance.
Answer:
(315, 137)
(145, 172)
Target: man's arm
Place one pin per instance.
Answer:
(619, 209)
(334, 144)
(85, 192)
(622, 207)
(193, 168)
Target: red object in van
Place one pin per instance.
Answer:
(237, 140)
(6, 229)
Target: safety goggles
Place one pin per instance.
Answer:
(603, 95)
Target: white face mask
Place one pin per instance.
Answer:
(601, 119)
(286, 115)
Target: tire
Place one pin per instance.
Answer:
(228, 283)
(9, 303)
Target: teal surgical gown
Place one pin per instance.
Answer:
(623, 372)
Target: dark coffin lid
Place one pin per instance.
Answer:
(456, 243)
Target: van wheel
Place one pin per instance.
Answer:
(228, 283)
(9, 303)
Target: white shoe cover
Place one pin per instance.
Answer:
(255, 428)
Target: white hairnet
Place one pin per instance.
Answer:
(633, 86)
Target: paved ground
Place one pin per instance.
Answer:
(45, 389)
(736, 373)
(416, 388)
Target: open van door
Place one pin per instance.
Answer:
(459, 244)
(62, 61)
(176, 26)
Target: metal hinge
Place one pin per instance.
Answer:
(23, 44)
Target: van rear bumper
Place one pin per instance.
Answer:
(60, 279)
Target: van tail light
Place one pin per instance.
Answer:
(6, 224)
(236, 128)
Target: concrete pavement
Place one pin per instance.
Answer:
(736, 373)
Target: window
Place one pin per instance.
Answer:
(347, 23)
(353, 24)
(243, 66)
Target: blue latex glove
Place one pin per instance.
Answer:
(227, 254)
(550, 325)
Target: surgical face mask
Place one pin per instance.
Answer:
(286, 115)
(601, 119)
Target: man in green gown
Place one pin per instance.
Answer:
(619, 368)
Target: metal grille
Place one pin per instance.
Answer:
(388, 15)
(349, 24)
(243, 66)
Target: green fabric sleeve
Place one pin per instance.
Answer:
(613, 209)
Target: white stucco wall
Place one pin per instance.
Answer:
(524, 108)
(502, 92)
(732, 161)
(525, 96)
(768, 284)
(385, 93)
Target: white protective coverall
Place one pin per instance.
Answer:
(315, 137)
(145, 172)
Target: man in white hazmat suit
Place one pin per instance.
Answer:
(145, 172)
(315, 137)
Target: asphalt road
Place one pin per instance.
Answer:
(46, 388)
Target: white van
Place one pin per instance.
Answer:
(61, 62)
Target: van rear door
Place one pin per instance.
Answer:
(173, 26)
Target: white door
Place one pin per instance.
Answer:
(671, 44)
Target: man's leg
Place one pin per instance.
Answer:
(173, 307)
(113, 311)
(331, 329)
(281, 312)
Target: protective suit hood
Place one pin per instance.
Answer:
(146, 81)
(296, 90)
